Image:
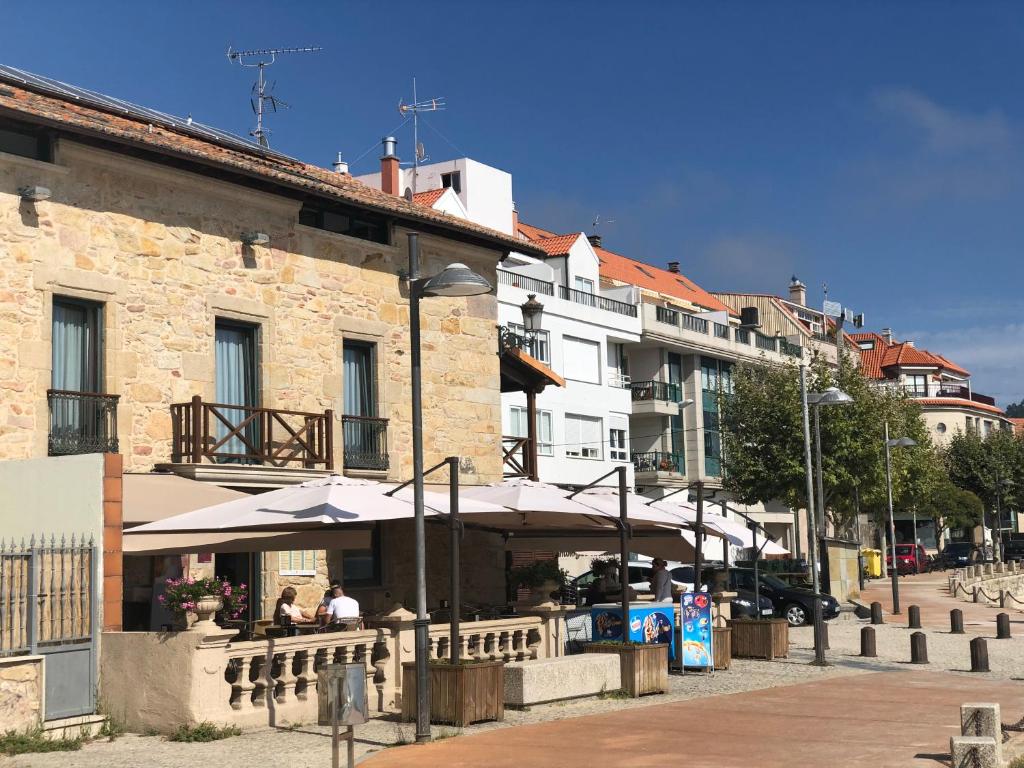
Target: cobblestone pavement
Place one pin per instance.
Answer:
(310, 746)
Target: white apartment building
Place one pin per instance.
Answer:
(583, 427)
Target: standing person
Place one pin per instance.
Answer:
(661, 581)
(342, 607)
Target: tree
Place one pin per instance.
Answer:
(1015, 410)
(991, 467)
(951, 507)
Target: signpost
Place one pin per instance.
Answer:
(695, 615)
(341, 701)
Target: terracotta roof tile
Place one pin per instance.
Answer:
(429, 197)
(885, 355)
(76, 117)
(958, 402)
(558, 245)
(531, 232)
(623, 269)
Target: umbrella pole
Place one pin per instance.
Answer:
(454, 645)
(698, 539)
(624, 551)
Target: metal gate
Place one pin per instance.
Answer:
(48, 606)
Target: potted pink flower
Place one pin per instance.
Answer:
(203, 597)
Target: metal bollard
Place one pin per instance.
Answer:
(974, 594)
(979, 655)
(915, 617)
(876, 613)
(1003, 626)
(867, 642)
(1002, 598)
(918, 648)
(956, 622)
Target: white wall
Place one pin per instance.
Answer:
(53, 495)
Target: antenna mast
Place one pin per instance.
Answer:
(427, 105)
(258, 58)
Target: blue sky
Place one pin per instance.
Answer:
(875, 146)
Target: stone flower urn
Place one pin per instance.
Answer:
(206, 607)
(541, 596)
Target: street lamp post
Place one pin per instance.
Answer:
(455, 280)
(831, 396)
(1001, 485)
(894, 570)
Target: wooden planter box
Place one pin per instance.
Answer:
(644, 668)
(722, 647)
(459, 695)
(760, 638)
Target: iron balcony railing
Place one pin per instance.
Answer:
(721, 331)
(81, 422)
(658, 461)
(224, 434)
(962, 392)
(666, 315)
(366, 442)
(656, 390)
(596, 300)
(829, 338)
(527, 283)
(769, 343)
(793, 350)
(695, 324)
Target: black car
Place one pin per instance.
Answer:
(794, 604)
(959, 554)
(743, 606)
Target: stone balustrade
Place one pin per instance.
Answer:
(160, 680)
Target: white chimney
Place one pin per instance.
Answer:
(797, 292)
(887, 335)
(339, 165)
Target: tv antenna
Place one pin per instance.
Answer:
(261, 58)
(414, 109)
(598, 221)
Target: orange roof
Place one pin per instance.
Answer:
(558, 245)
(1018, 424)
(958, 402)
(45, 106)
(531, 232)
(626, 270)
(888, 355)
(429, 197)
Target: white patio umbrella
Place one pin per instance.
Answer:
(314, 504)
(606, 500)
(531, 505)
(735, 533)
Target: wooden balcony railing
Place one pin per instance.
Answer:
(81, 422)
(223, 434)
(366, 442)
(516, 457)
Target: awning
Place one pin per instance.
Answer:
(158, 495)
(522, 373)
(185, 543)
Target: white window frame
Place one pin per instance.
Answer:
(540, 339)
(617, 448)
(568, 369)
(545, 442)
(304, 556)
(592, 450)
(584, 284)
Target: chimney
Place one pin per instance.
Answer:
(887, 335)
(389, 166)
(909, 343)
(595, 240)
(515, 220)
(673, 266)
(797, 292)
(339, 165)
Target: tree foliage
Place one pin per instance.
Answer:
(1015, 410)
(991, 467)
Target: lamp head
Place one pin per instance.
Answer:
(901, 442)
(34, 194)
(255, 238)
(831, 396)
(456, 280)
(533, 311)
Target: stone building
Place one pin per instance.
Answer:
(207, 307)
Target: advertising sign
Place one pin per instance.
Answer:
(695, 615)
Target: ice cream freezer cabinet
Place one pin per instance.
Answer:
(648, 623)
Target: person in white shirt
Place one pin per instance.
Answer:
(286, 611)
(342, 607)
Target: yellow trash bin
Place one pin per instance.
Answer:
(872, 562)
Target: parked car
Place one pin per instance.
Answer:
(575, 592)
(743, 606)
(910, 558)
(1013, 550)
(959, 554)
(794, 604)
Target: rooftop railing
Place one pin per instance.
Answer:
(596, 300)
(527, 283)
(694, 323)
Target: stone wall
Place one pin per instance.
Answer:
(21, 692)
(160, 249)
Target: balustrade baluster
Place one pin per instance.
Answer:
(285, 682)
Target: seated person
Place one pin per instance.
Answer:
(342, 607)
(321, 610)
(286, 612)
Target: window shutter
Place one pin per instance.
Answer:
(582, 359)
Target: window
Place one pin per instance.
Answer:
(345, 221)
(237, 383)
(76, 346)
(360, 378)
(716, 380)
(518, 428)
(940, 428)
(582, 360)
(298, 562)
(583, 436)
(618, 365)
(452, 180)
(361, 567)
(538, 345)
(916, 385)
(583, 284)
(364, 433)
(24, 140)
(869, 344)
(617, 445)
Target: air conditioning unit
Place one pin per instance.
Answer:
(750, 317)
